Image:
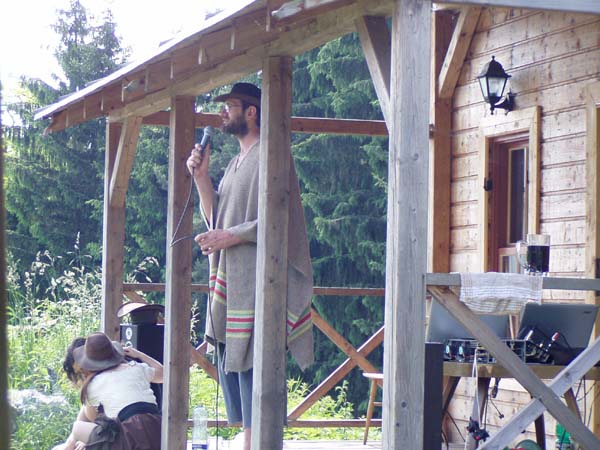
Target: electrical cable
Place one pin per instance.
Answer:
(456, 426)
(445, 439)
(183, 213)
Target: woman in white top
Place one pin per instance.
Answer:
(119, 409)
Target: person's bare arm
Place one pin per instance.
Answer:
(158, 367)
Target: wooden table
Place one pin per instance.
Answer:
(454, 371)
(544, 397)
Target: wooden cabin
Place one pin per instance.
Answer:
(444, 213)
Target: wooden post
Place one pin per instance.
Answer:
(440, 150)
(406, 250)
(269, 390)
(592, 250)
(178, 290)
(4, 410)
(113, 240)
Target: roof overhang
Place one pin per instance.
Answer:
(226, 48)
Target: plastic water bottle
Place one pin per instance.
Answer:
(200, 430)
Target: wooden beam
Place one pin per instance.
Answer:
(440, 151)
(178, 298)
(567, 284)
(299, 124)
(119, 181)
(292, 39)
(592, 246)
(342, 343)
(576, 6)
(198, 357)
(457, 51)
(329, 291)
(113, 240)
(269, 391)
(376, 42)
(406, 248)
(296, 9)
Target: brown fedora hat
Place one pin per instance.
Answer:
(98, 353)
(243, 91)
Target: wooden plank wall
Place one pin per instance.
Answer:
(552, 57)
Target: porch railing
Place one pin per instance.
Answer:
(356, 356)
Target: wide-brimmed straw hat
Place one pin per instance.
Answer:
(243, 91)
(98, 353)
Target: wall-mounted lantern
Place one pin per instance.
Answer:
(492, 81)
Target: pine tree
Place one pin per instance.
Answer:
(344, 183)
(55, 181)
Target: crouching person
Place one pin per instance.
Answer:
(119, 410)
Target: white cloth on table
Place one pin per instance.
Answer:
(499, 293)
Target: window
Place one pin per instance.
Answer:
(507, 186)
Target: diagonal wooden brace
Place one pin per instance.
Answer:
(561, 385)
(519, 370)
(338, 374)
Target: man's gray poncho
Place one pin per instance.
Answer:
(233, 271)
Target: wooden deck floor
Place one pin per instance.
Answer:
(322, 445)
(344, 445)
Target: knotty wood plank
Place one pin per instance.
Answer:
(406, 248)
(269, 390)
(455, 57)
(582, 6)
(113, 240)
(592, 248)
(440, 150)
(178, 295)
(123, 164)
(376, 43)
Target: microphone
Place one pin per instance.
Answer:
(206, 138)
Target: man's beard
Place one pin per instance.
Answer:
(237, 127)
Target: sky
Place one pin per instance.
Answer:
(27, 40)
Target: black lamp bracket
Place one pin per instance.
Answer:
(507, 104)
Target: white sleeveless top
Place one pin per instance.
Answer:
(121, 386)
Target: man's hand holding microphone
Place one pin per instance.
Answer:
(199, 158)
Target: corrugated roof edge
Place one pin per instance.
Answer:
(47, 111)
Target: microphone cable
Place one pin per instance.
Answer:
(183, 213)
(206, 138)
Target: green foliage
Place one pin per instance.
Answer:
(57, 177)
(47, 310)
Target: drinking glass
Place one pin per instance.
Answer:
(534, 254)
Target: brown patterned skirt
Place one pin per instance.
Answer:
(140, 431)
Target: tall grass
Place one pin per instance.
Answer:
(58, 299)
(48, 307)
